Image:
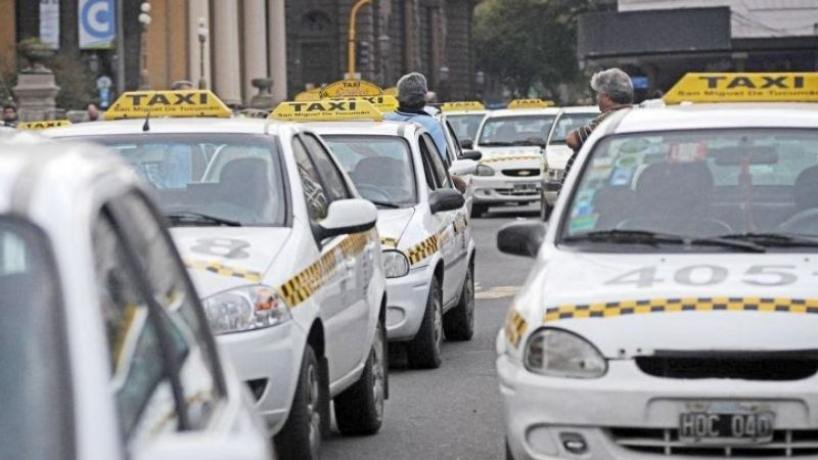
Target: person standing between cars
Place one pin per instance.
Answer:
(10, 117)
(412, 90)
(614, 91)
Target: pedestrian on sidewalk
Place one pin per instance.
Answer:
(10, 117)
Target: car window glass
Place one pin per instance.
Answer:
(428, 169)
(568, 122)
(516, 130)
(140, 384)
(314, 194)
(334, 181)
(438, 168)
(465, 126)
(198, 372)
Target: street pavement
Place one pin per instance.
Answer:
(453, 412)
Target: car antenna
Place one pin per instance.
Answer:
(147, 126)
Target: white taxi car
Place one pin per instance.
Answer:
(557, 153)
(511, 142)
(285, 256)
(105, 347)
(423, 224)
(672, 311)
(465, 118)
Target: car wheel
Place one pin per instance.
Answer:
(477, 210)
(545, 209)
(300, 438)
(359, 409)
(423, 351)
(458, 323)
(509, 455)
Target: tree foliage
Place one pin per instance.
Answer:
(529, 42)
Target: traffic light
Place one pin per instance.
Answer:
(364, 51)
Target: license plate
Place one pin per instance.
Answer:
(706, 427)
(526, 187)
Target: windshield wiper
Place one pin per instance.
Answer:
(495, 143)
(384, 204)
(772, 239)
(656, 238)
(191, 217)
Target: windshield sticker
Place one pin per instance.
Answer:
(621, 177)
(688, 152)
(678, 305)
(584, 205)
(583, 223)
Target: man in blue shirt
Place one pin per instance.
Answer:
(412, 89)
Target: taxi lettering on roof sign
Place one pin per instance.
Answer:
(186, 103)
(327, 110)
(347, 88)
(384, 103)
(462, 106)
(45, 124)
(745, 87)
(530, 104)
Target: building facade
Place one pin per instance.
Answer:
(657, 41)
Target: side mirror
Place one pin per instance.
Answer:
(463, 167)
(348, 216)
(201, 446)
(467, 143)
(445, 200)
(521, 238)
(471, 155)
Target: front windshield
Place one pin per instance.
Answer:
(700, 184)
(466, 125)
(209, 179)
(380, 166)
(516, 130)
(567, 123)
(36, 420)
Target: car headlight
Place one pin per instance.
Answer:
(395, 263)
(245, 309)
(484, 170)
(559, 353)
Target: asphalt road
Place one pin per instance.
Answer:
(453, 412)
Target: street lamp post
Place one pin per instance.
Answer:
(144, 20)
(203, 33)
(353, 15)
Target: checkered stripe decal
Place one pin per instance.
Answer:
(510, 158)
(676, 305)
(515, 328)
(423, 249)
(223, 270)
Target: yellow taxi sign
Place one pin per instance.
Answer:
(530, 104)
(327, 110)
(347, 88)
(182, 103)
(383, 103)
(745, 87)
(391, 91)
(43, 124)
(464, 106)
(309, 95)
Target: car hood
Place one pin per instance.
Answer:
(392, 224)
(221, 258)
(557, 156)
(676, 302)
(528, 157)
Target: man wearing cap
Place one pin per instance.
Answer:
(412, 90)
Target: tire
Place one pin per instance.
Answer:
(478, 210)
(300, 438)
(423, 352)
(359, 409)
(545, 209)
(458, 323)
(509, 455)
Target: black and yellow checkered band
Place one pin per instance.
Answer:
(678, 305)
(423, 249)
(515, 328)
(223, 270)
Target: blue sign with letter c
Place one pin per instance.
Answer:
(97, 20)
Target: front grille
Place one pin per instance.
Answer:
(657, 441)
(745, 366)
(521, 172)
(517, 192)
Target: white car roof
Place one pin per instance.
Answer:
(713, 116)
(465, 112)
(172, 126)
(580, 109)
(522, 112)
(373, 128)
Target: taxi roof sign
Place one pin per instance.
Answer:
(327, 110)
(391, 91)
(745, 87)
(182, 103)
(309, 95)
(464, 106)
(530, 104)
(43, 124)
(347, 88)
(384, 103)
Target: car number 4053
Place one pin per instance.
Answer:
(709, 275)
(702, 427)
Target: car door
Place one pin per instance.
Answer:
(337, 304)
(450, 241)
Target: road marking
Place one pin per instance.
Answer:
(496, 292)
